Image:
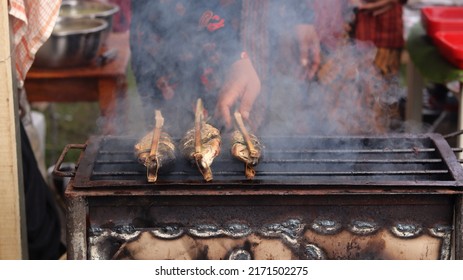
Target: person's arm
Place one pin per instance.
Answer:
(309, 49)
(306, 35)
(242, 85)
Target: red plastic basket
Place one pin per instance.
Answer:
(450, 46)
(442, 18)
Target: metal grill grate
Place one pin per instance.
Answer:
(399, 159)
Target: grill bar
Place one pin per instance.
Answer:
(319, 151)
(354, 151)
(307, 173)
(369, 161)
(415, 160)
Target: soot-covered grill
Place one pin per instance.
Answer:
(110, 161)
(390, 197)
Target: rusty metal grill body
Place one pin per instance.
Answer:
(392, 197)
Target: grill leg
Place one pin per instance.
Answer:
(76, 228)
(459, 227)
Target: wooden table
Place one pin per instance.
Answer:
(105, 84)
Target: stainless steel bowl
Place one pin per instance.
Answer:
(73, 42)
(92, 9)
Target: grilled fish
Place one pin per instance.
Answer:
(156, 150)
(201, 144)
(210, 148)
(248, 149)
(166, 149)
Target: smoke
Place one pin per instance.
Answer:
(348, 96)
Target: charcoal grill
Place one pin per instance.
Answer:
(391, 197)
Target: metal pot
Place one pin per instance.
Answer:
(92, 9)
(73, 42)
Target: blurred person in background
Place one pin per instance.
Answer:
(220, 51)
(359, 79)
(32, 23)
(381, 22)
(226, 52)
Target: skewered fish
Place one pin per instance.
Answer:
(155, 150)
(201, 144)
(246, 147)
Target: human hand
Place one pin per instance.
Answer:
(309, 50)
(242, 85)
(377, 7)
